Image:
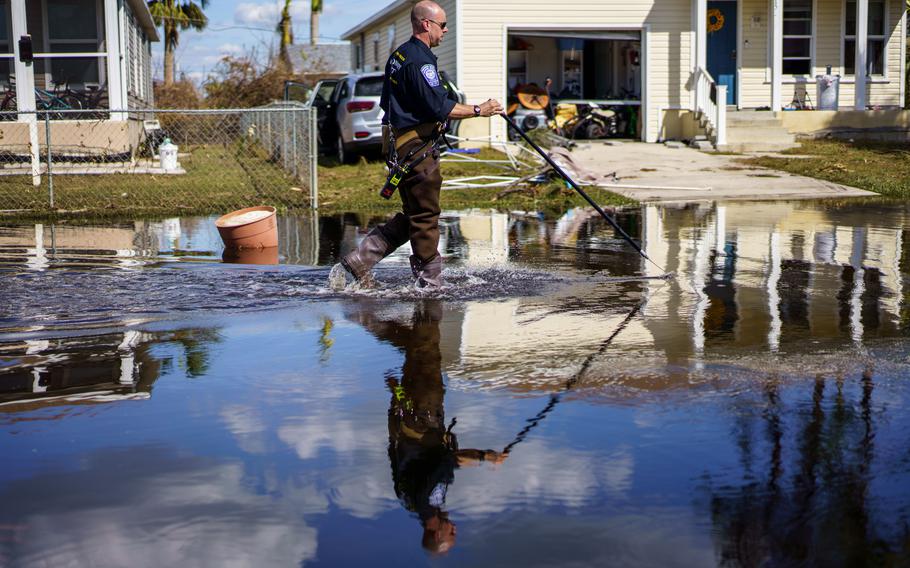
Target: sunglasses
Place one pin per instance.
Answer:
(442, 25)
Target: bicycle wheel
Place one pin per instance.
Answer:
(9, 105)
(67, 102)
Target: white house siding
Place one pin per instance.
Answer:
(138, 62)
(401, 20)
(666, 49)
(755, 74)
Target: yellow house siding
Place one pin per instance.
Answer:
(755, 21)
(401, 19)
(666, 54)
(828, 36)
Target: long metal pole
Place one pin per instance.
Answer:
(580, 191)
(47, 144)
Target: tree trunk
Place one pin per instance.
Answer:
(168, 55)
(314, 27)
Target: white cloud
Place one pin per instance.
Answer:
(230, 48)
(268, 13)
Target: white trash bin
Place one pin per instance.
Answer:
(827, 91)
(167, 154)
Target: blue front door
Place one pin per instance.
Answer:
(721, 27)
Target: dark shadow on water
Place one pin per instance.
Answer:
(810, 459)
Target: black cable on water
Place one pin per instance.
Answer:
(570, 384)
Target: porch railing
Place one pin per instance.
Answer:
(711, 106)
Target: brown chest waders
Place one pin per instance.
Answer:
(400, 168)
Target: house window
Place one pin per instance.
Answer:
(797, 57)
(6, 47)
(875, 46)
(358, 56)
(72, 27)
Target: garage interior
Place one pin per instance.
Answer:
(602, 67)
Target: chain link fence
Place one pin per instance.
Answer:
(112, 162)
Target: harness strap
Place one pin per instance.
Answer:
(427, 130)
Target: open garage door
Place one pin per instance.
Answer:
(588, 69)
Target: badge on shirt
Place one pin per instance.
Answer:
(429, 73)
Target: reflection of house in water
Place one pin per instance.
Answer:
(486, 237)
(755, 274)
(752, 276)
(77, 370)
(117, 243)
(95, 369)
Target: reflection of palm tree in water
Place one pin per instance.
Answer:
(423, 449)
(822, 514)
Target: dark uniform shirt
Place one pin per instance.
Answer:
(412, 92)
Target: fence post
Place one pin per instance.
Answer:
(284, 139)
(313, 160)
(33, 147)
(47, 145)
(295, 113)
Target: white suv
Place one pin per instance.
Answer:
(350, 120)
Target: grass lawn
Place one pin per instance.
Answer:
(221, 178)
(874, 166)
(356, 188)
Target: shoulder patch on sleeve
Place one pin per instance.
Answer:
(429, 73)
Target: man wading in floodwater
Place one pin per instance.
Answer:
(416, 109)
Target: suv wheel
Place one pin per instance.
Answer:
(344, 155)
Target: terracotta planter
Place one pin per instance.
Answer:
(267, 255)
(249, 228)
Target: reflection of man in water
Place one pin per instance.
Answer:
(423, 449)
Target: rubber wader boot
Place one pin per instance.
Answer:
(428, 273)
(359, 262)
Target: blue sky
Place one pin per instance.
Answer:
(238, 26)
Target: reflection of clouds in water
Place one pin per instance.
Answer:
(246, 425)
(355, 466)
(310, 434)
(152, 508)
(356, 477)
(539, 473)
(327, 419)
(361, 483)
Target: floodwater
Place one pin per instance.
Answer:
(161, 407)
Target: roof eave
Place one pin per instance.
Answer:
(380, 15)
(144, 16)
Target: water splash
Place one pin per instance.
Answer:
(100, 297)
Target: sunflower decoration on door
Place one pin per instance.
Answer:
(715, 20)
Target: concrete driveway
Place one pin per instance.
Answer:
(656, 172)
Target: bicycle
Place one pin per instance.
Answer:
(45, 101)
(93, 98)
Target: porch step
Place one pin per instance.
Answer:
(747, 147)
(756, 131)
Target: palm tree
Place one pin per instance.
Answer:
(286, 31)
(173, 18)
(315, 9)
